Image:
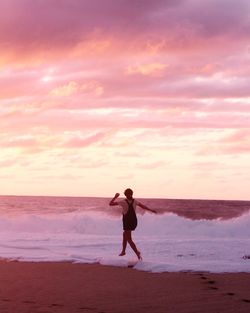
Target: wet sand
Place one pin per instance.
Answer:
(68, 288)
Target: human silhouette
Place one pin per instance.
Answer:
(129, 219)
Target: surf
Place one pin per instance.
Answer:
(168, 242)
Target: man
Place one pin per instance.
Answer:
(129, 219)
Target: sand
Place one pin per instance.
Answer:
(65, 287)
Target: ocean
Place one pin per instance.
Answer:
(184, 235)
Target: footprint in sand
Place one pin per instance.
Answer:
(56, 304)
(211, 282)
(213, 288)
(29, 302)
(204, 277)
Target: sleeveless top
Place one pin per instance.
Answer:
(129, 219)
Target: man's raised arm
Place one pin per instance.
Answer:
(112, 202)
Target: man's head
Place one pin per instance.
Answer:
(128, 193)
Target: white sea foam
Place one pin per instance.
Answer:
(167, 242)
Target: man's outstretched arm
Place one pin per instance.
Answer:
(144, 207)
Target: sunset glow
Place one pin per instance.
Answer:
(97, 96)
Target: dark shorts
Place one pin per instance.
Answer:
(129, 224)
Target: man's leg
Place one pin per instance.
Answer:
(132, 244)
(124, 244)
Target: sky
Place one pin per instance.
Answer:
(97, 96)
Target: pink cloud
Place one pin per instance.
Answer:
(238, 136)
(19, 142)
(151, 165)
(61, 28)
(7, 163)
(209, 165)
(86, 141)
(237, 143)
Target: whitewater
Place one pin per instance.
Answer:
(168, 242)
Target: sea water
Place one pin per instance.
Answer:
(184, 235)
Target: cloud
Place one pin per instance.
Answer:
(147, 69)
(7, 163)
(78, 142)
(65, 90)
(151, 165)
(206, 165)
(18, 142)
(129, 26)
(237, 142)
(242, 136)
(68, 25)
(73, 87)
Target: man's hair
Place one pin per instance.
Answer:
(128, 191)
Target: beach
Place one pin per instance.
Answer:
(67, 288)
(61, 255)
(213, 236)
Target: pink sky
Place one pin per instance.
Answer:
(98, 96)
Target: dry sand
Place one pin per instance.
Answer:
(65, 287)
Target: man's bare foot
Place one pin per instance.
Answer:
(122, 253)
(139, 255)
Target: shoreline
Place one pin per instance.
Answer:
(108, 197)
(73, 287)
